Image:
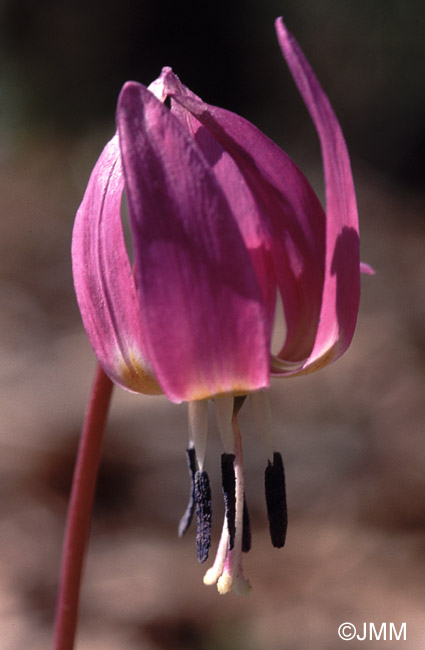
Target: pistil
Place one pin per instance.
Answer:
(232, 578)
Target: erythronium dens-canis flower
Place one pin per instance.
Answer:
(222, 223)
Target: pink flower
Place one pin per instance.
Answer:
(222, 221)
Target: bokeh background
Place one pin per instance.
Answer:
(352, 435)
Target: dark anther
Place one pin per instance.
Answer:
(246, 529)
(229, 493)
(238, 403)
(276, 500)
(187, 517)
(203, 515)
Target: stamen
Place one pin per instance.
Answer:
(185, 521)
(246, 525)
(232, 578)
(276, 500)
(236, 537)
(203, 515)
(246, 528)
(229, 493)
(198, 428)
(224, 414)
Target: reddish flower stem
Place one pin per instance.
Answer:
(80, 511)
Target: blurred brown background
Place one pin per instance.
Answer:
(352, 435)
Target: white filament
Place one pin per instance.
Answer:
(227, 569)
(198, 428)
(224, 414)
(232, 578)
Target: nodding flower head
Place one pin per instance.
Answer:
(222, 222)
